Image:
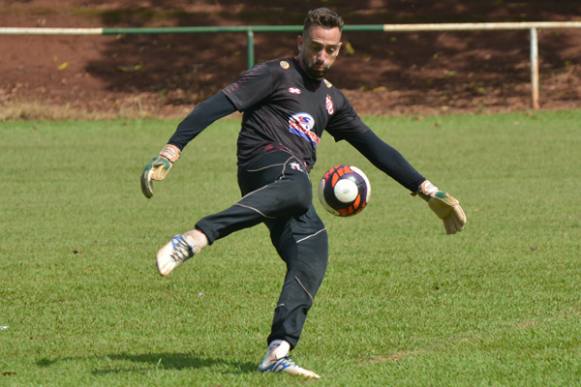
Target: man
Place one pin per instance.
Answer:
(286, 104)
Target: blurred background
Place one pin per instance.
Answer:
(382, 73)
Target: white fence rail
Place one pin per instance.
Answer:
(533, 28)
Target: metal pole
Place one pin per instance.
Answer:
(250, 49)
(534, 69)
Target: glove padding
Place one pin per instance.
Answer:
(158, 168)
(445, 206)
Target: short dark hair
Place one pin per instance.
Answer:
(323, 17)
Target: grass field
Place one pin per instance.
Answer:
(402, 304)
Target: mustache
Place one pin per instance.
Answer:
(320, 65)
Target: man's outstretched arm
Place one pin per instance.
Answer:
(387, 159)
(390, 161)
(203, 115)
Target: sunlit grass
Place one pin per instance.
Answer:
(402, 304)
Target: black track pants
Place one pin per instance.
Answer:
(277, 192)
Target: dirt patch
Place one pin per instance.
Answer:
(382, 73)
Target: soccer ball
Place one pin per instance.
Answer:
(344, 190)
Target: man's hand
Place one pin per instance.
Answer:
(158, 168)
(445, 206)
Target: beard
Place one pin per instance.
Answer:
(317, 74)
(316, 70)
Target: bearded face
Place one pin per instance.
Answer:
(318, 50)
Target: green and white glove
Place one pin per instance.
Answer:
(158, 168)
(445, 206)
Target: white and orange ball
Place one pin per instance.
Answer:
(344, 190)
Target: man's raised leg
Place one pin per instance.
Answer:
(273, 187)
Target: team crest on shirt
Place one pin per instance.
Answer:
(294, 90)
(284, 64)
(329, 105)
(302, 125)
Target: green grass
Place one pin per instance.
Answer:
(402, 303)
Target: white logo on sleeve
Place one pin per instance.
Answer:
(329, 105)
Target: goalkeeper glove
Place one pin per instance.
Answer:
(158, 168)
(444, 205)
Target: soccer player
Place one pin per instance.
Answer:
(287, 104)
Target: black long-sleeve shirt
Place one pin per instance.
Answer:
(282, 106)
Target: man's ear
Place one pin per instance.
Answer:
(300, 42)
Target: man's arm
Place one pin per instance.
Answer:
(346, 125)
(203, 115)
(252, 87)
(387, 159)
(390, 161)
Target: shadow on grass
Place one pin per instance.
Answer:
(170, 361)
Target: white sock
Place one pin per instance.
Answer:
(279, 348)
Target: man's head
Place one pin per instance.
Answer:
(320, 42)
